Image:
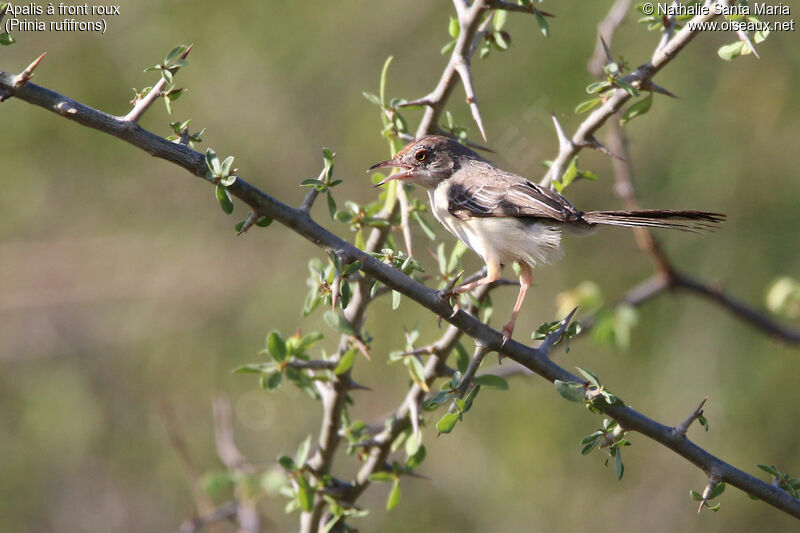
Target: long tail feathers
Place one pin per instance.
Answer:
(696, 221)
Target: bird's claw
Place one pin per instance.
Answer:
(450, 296)
(507, 330)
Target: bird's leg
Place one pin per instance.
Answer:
(493, 271)
(525, 279)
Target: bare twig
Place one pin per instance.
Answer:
(224, 512)
(474, 365)
(684, 426)
(246, 512)
(23, 77)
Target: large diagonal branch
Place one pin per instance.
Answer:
(301, 223)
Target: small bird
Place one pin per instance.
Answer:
(504, 217)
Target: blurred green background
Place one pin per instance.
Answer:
(124, 288)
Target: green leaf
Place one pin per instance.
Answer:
(332, 205)
(382, 477)
(570, 174)
(327, 159)
(591, 445)
(274, 380)
(619, 468)
(633, 91)
(7, 39)
(589, 375)
(174, 53)
(276, 346)
(769, 469)
(302, 452)
(587, 105)
(224, 199)
(226, 166)
(305, 494)
(499, 20)
(212, 161)
(731, 51)
(570, 390)
(426, 227)
(287, 463)
(396, 296)
(491, 381)
(543, 26)
(453, 28)
(416, 371)
(447, 422)
(256, 368)
(394, 496)
(372, 98)
(462, 358)
(696, 496)
(338, 322)
(448, 48)
(597, 86)
(416, 459)
(345, 362)
(717, 490)
(636, 109)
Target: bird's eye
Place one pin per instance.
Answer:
(421, 155)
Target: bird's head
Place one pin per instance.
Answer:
(427, 161)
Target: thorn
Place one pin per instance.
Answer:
(352, 385)
(251, 218)
(597, 145)
(462, 67)
(554, 337)
(746, 38)
(657, 88)
(684, 426)
(186, 53)
(562, 136)
(361, 347)
(607, 51)
(425, 100)
(23, 77)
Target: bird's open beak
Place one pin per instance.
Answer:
(403, 174)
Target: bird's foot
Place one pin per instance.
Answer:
(450, 296)
(507, 330)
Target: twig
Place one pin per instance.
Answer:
(739, 309)
(469, 18)
(144, 103)
(226, 511)
(311, 197)
(246, 512)
(474, 365)
(23, 77)
(550, 341)
(605, 33)
(683, 427)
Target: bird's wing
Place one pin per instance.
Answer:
(494, 193)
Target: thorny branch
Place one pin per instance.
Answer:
(616, 98)
(536, 360)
